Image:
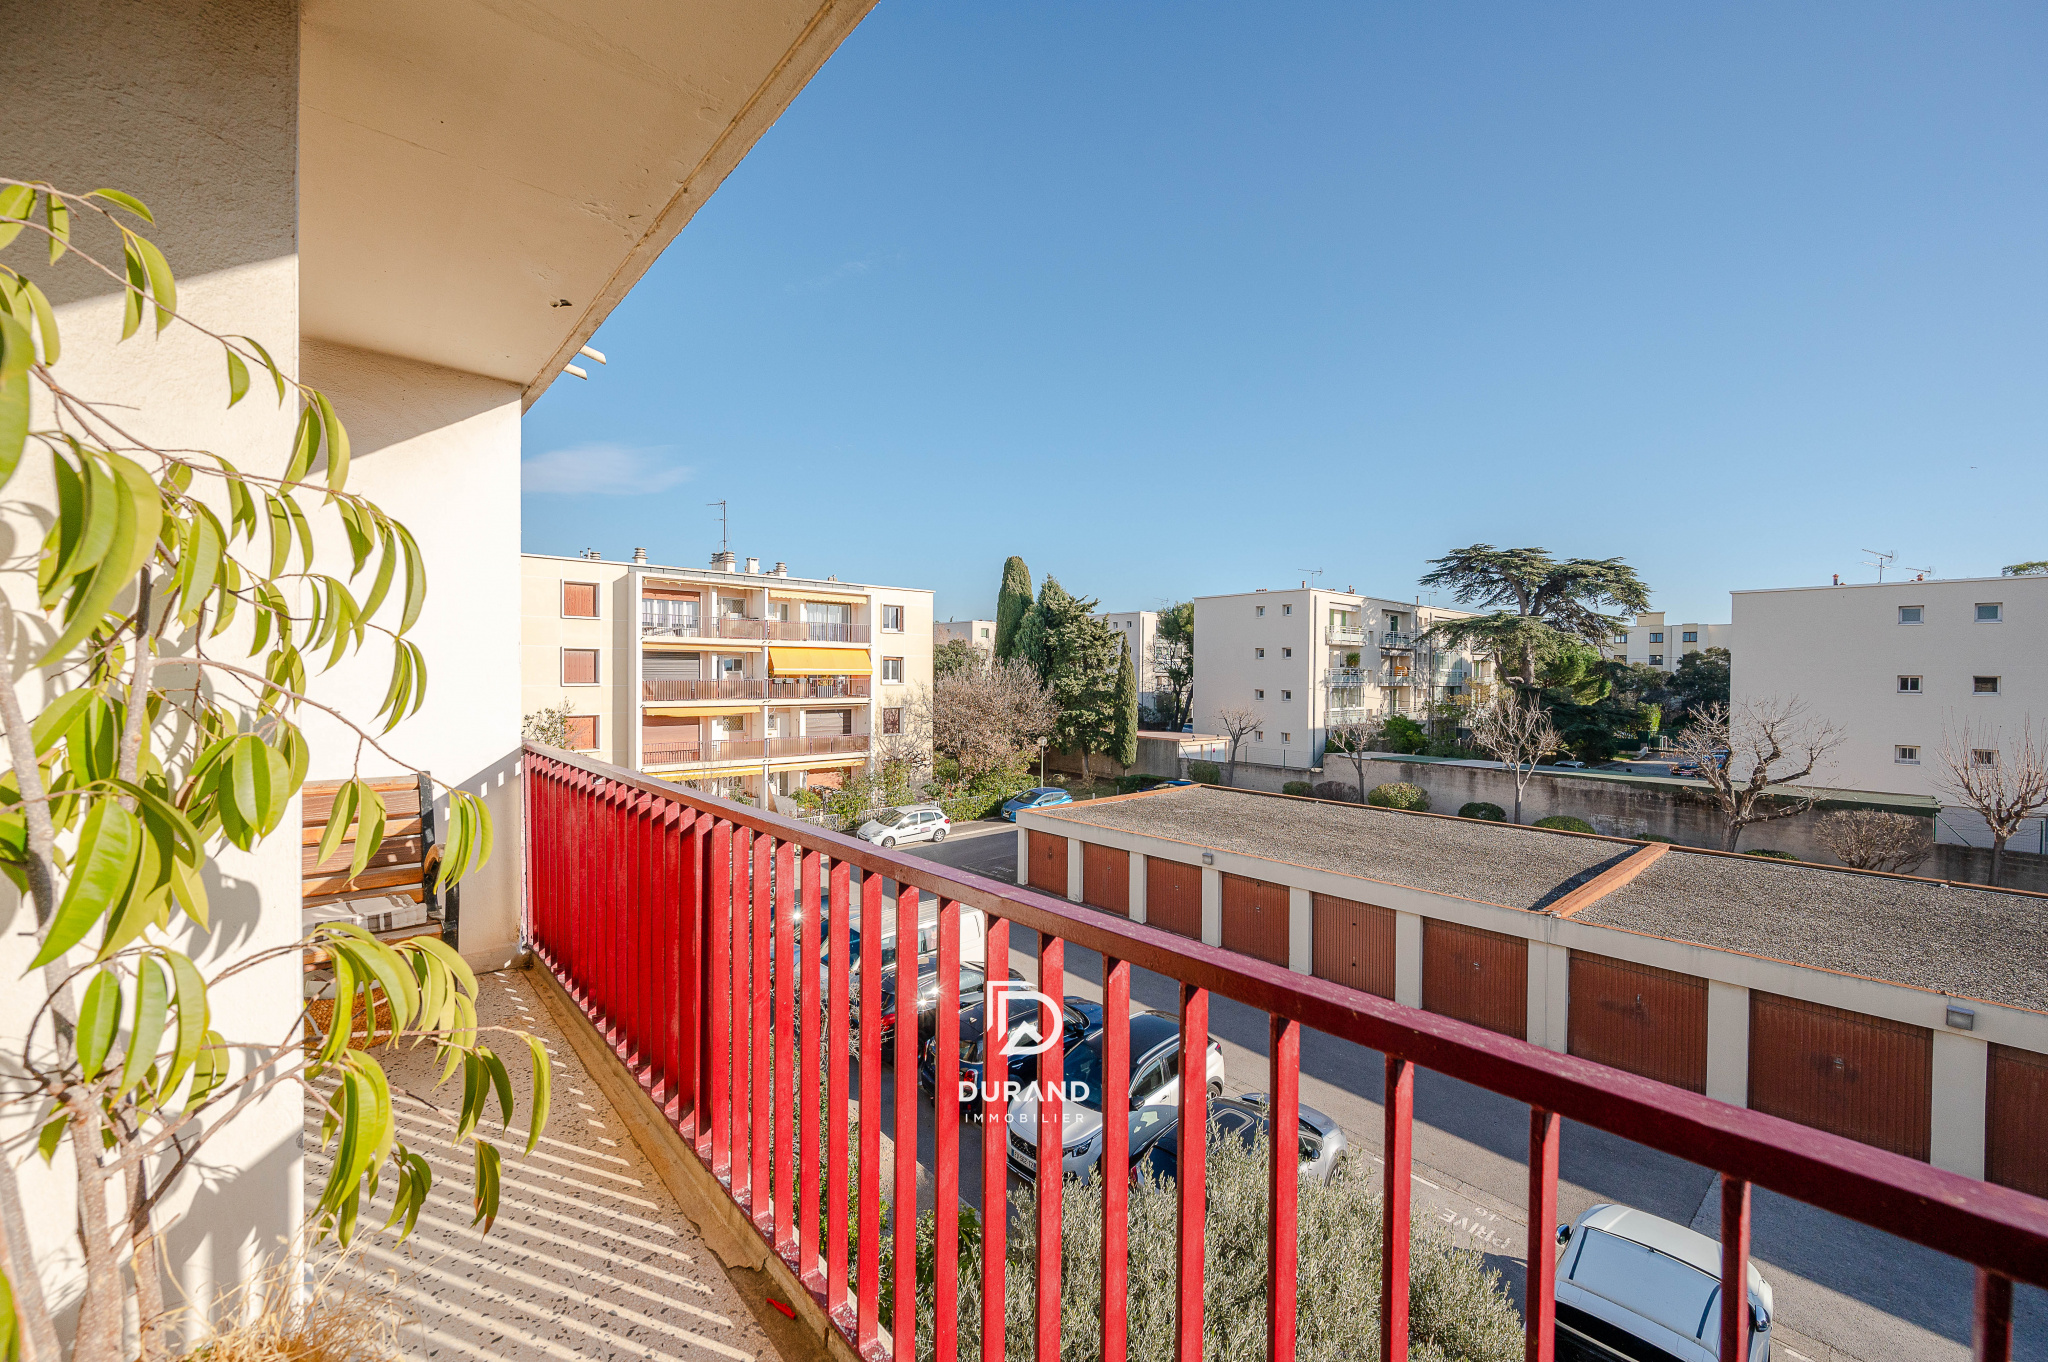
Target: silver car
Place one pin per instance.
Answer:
(912, 823)
(1155, 1083)
(1632, 1287)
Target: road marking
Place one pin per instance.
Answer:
(1801, 1356)
(1424, 1181)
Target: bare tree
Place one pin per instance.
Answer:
(982, 717)
(1239, 722)
(1870, 839)
(1516, 729)
(1752, 757)
(2004, 779)
(1358, 738)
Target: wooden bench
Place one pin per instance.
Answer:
(403, 863)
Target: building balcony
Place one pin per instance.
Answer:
(750, 629)
(1345, 635)
(768, 690)
(714, 752)
(1391, 638)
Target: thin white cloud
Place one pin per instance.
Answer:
(601, 470)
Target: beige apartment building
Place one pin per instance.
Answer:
(1649, 642)
(1902, 667)
(1309, 658)
(724, 677)
(979, 634)
(1140, 629)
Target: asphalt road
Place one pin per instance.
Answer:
(1844, 1291)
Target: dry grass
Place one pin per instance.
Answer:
(290, 1313)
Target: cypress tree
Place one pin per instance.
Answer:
(1124, 736)
(1013, 600)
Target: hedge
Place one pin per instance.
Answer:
(1564, 822)
(1479, 808)
(1333, 789)
(1774, 855)
(1398, 794)
(1205, 773)
(1297, 787)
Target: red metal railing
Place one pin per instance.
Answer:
(653, 907)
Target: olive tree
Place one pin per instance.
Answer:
(179, 612)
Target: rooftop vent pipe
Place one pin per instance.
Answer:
(724, 561)
(753, 565)
(639, 555)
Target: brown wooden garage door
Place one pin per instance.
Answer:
(1255, 918)
(1173, 896)
(1646, 1020)
(2016, 1128)
(1477, 976)
(1049, 863)
(1864, 1077)
(1106, 878)
(1354, 944)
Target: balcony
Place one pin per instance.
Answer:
(703, 753)
(756, 688)
(1345, 635)
(1395, 639)
(633, 949)
(748, 628)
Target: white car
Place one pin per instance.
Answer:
(1632, 1287)
(912, 823)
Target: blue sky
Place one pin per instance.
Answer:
(1183, 299)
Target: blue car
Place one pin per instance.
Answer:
(1044, 797)
(1079, 1019)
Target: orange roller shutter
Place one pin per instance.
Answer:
(1255, 918)
(1106, 878)
(1048, 863)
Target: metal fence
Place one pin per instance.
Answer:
(660, 911)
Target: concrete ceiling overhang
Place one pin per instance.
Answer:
(481, 181)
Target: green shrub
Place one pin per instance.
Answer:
(1564, 822)
(1479, 808)
(1398, 795)
(1297, 787)
(981, 797)
(1205, 773)
(1332, 789)
(1458, 1307)
(1774, 855)
(1402, 734)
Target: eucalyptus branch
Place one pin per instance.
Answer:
(28, 775)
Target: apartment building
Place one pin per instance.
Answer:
(1140, 628)
(723, 677)
(980, 634)
(1307, 658)
(1649, 642)
(1901, 667)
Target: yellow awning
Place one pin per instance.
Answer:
(697, 711)
(834, 597)
(818, 662)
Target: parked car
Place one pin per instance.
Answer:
(1164, 784)
(913, 823)
(972, 983)
(1155, 1149)
(1569, 764)
(1632, 1287)
(1078, 1018)
(1043, 797)
(1155, 1082)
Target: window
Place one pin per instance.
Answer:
(579, 600)
(984, 633)
(580, 732)
(1621, 640)
(892, 619)
(1287, 652)
(1909, 614)
(1657, 637)
(1984, 685)
(1989, 612)
(579, 666)
(1286, 609)
(892, 721)
(1692, 636)
(1909, 685)
(1286, 695)
(1259, 610)
(1656, 659)
(1983, 756)
(1258, 652)
(1906, 756)
(1258, 695)
(1259, 736)
(892, 669)
(1286, 737)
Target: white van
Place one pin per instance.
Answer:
(1632, 1287)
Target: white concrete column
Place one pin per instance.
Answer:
(1137, 886)
(1408, 959)
(1023, 853)
(1212, 905)
(1301, 930)
(1076, 871)
(1550, 978)
(1962, 1071)
(1728, 1043)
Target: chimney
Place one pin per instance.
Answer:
(592, 554)
(724, 561)
(780, 569)
(639, 555)
(753, 567)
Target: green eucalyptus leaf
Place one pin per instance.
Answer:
(238, 378)
(543, 1091)
(99, 1018)
(109, 846)
(146, 1023)
(128, 201)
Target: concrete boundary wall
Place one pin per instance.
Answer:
(1960, 1057)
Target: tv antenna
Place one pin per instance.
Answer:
(1880, 560)
(1309, 572)
(1923, 572)
(724, 539)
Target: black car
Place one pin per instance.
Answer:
(972, 983)
(1155, 1136)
